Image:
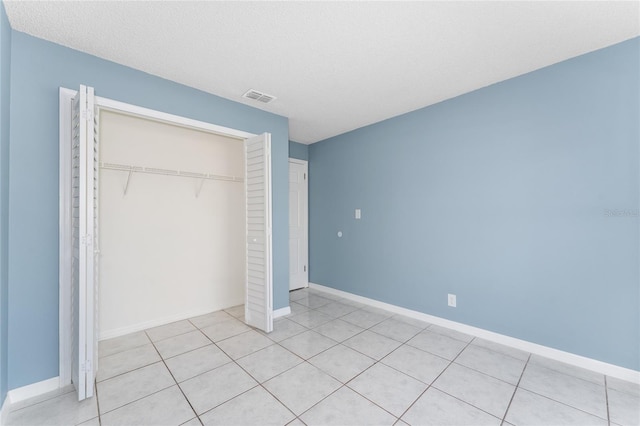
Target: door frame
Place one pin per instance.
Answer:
(65, 178)
(305, 232)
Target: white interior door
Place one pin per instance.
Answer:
(84, 222)
(298, 225)
(259, 276)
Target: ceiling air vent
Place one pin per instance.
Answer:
(258, 96)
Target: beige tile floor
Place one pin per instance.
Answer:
(331, 362)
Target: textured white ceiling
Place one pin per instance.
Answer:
(334, 66)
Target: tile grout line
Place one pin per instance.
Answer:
(361, 332)
(151, 342)
(344, 384)
(227, 400)
(487, 374)
(232, 361)
(565, 373)
(95, 383)
(566, 404)
(124, 350)
(504, 417)
(312, 356)
(295, 416)
(563, 403)
(259, 384)
(293, 335)
(606, 400)
(369, 356)
(370, 328)
(394, 350)
(373, 402)
(409, 375)
(129, 371)
(560, 402)
(289, 369)
(376, 361)
(170, 337)
(138, 399)
(174, 379)
(434, 380)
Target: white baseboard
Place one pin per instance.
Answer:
(33, 390)
(281, 312)
(534, 348)
(117, 332)
(4, 411)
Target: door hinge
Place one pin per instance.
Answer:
(305, 176)
(86, 240)
(305, 268)
(86, 366)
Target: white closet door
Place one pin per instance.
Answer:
(259, 278)
(93, 252)
(84, 278)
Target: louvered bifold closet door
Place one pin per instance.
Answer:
(93, 151)
(78, 180)
(84, 278)
(259, 277)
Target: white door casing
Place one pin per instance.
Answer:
(259, 279)
(298, 224)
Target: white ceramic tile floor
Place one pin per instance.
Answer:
(331, 362)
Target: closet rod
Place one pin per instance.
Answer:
(167, 172)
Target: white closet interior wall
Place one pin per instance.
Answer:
(173, 246)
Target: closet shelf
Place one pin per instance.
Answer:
(167, 172)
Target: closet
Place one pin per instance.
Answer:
(163, 217)
(172, 223)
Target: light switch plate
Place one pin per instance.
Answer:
(358, 214)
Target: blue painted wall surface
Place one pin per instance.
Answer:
(499, 196)
(38, 69)
(298, 150)
(5, 85)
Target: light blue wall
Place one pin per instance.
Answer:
(5, 83)
(499, 197)
(298, 150)
(38, 69)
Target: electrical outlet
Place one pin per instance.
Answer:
(358, 214)
(451, 299)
